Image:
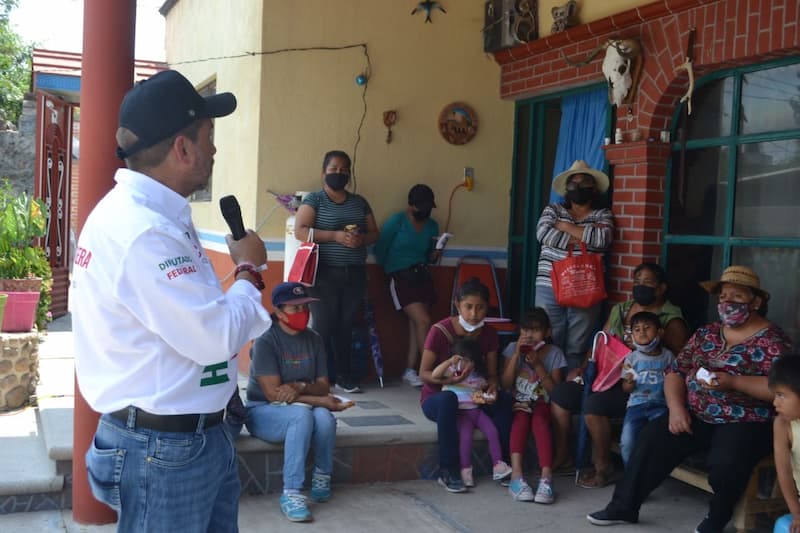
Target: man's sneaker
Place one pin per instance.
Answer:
(320, 487)
(466, 477)
(607, 518)
(520, 490)
(451, 483)
(707, 527)
(411, 377)
(349, 388)
(544, 492)
(294, 507)
(501, 470)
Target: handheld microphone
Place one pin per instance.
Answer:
(232, 214)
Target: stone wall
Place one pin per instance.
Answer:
(18, 150)
(19, 368)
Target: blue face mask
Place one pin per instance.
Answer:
(650, 347)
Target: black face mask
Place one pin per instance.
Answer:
(421, 215)
(336, 180)
(644, 295)
(580, 196)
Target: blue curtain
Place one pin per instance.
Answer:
(580, 136)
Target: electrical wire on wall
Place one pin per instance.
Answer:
(361, 80)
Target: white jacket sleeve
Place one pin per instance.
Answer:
(168, 284)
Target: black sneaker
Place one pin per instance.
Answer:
(451, 483)
(706, 527)
(607, 518)
(349, 388)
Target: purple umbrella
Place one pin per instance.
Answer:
(374, 342)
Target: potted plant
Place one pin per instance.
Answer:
(23, 265)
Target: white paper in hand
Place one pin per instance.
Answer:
(705, 375)
(442, 242)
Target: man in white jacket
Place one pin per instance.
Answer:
(155, 336)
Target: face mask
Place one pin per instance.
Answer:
(650, 347)
(421, 215)
(469, 328)
(733, 314)
(297, 321)
(336, 180)
(580, 196)
(644, 295)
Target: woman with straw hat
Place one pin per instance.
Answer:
(561, 228)
(718, 402)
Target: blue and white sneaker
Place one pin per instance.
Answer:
(294, 507)
(544, 492)
(520, 490)
(320, 487)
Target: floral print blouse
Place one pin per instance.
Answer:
(752, 357)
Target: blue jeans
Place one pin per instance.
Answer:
(163, 481)
(636, 416)
(298, 428)
(572, 326)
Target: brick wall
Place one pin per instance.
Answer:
(728, 33)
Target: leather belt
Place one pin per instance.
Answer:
(168, 423)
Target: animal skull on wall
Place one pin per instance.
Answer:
(622, 66)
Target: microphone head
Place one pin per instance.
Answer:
(232, 214)
(229, 205)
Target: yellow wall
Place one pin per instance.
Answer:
(294, 106)
(588, 11)
(201, 29)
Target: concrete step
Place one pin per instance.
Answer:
(30, 481)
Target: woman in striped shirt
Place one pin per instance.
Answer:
(343, 224)
(562, 227)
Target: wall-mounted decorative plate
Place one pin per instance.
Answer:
(458, 123)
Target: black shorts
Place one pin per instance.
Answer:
(610, 403)
(406, 291)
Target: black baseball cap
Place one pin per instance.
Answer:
(421, 196)
(164, 104)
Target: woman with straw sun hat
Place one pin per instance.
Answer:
(561, 228)
(718, 401)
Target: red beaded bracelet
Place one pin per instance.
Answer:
(257, 280)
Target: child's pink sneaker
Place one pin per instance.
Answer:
(500, 471)
(466, 477)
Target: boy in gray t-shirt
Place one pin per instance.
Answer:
(643, 377)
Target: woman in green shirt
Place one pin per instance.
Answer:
(405, 248)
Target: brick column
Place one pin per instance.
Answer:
(640, 170)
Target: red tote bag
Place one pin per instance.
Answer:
(578, 279)
(304, 267)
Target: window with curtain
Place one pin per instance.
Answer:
(734, 189)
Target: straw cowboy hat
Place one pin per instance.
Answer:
(580, 167)
(740, 275)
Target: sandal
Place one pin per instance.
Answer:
(564, 469)
(599, 480)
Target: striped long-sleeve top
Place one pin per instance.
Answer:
(598, 232)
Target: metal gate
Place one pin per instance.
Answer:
(52, 184)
